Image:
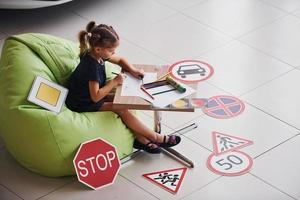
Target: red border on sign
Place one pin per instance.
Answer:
(210, 167)
(208, 112)
(77, 170)
(184, 81)
(215, 145)
(164, 187)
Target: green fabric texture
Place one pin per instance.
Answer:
(40, 140)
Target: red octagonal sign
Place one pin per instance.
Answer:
(97, 163)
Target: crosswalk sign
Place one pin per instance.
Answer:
(223, 143)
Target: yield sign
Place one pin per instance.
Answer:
(169, 180)
(224, 143)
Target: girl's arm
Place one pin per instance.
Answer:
(97, 93)
(126, 66)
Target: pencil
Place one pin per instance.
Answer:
(142, 78)
(144, 90)
(115, 73)
(164, 91)
(163, 76)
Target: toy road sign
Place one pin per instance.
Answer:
(224, 143)
(96, 163)
(224, 107)
(169, 180)
(233, 163)
(47, 94)
(191, 71)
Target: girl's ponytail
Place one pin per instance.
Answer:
(97, 36)
(90, 26)
(82, 36)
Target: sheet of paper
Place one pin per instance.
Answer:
(164, 99)
(131, 85)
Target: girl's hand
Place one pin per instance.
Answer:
(137, 73)
(119, 79)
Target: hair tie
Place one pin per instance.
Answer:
(89, 34)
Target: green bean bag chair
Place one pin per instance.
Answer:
(41, 140)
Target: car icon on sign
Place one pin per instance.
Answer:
(184, 70)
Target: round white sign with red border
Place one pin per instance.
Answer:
(234, 163)
(191, 71)
(224, 107)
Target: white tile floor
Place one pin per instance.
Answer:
(238, 17)
(253, 46)
(278, 39)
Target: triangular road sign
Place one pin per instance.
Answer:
(224, 143)
(169, 180)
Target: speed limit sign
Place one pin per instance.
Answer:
(234, 163)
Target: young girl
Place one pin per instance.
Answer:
(89, 91)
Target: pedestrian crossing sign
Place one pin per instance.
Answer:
(224, 143)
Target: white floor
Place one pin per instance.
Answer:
(253, 46)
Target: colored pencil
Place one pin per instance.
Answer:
(142, 78)
(115, 73)
(144, 90)
(163, 76)
(164, 91)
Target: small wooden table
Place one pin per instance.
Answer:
(138, 103)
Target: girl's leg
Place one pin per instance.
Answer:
(108, 106)
(142, 132)
(138, 127)
(134, 124)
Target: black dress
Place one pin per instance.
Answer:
(78, 98)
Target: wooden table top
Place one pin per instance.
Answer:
(138, 103)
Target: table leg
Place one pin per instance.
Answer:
(157, 121)
(130, 156)
(157, 128)
(167, 150)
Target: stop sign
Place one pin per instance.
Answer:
(96, 163)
